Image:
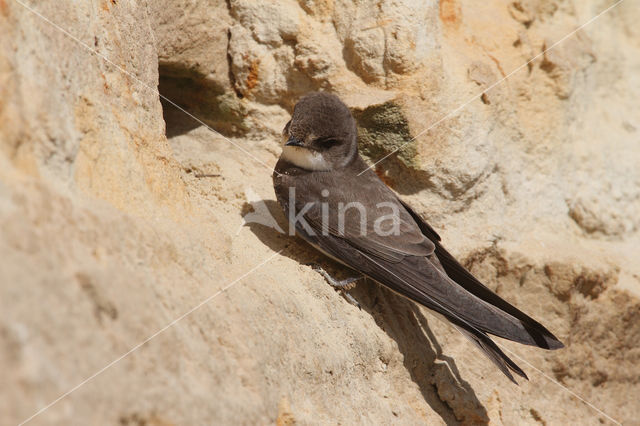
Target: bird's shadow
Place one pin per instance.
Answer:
(398, 317)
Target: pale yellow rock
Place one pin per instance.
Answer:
(120, 214)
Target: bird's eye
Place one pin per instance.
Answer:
(327, 142)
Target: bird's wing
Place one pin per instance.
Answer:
(405, 263)
(377, 223)
(413, 264)
(459, 274)
(419, 280)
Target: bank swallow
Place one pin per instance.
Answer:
(354, 218)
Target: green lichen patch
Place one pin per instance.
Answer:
(383, 129)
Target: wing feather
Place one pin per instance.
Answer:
(412, 262)
(459, 274)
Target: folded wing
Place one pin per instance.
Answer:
(415, 264)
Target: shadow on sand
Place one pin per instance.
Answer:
(436, 374)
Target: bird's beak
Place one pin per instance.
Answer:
(293, 142)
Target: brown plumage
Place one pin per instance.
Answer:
(321, 165)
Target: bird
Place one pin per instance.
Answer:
(336, 203)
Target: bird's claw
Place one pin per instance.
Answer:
(340, 285)
(351, 299)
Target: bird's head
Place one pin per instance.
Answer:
(321, 134)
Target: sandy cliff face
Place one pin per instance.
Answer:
(120, 213)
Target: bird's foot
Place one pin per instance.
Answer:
(343, 286)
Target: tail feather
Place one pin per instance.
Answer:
(532, 332)
(493, 352)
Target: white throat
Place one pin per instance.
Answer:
(305, 158)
